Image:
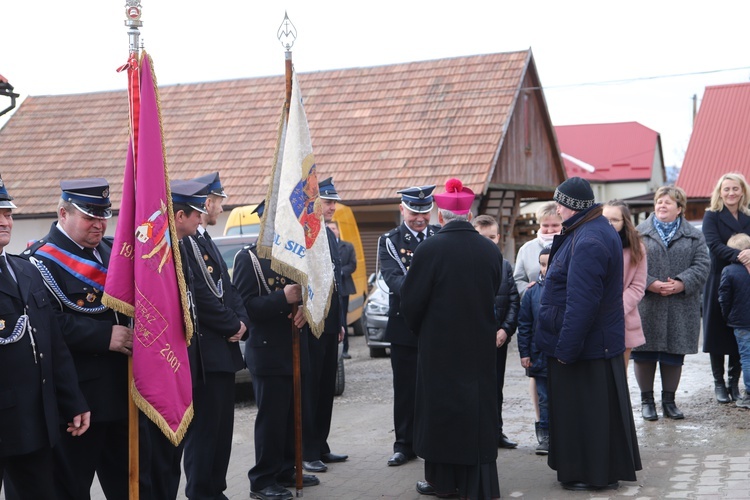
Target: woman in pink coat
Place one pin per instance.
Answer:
(634, 272)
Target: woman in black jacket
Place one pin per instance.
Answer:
(728, 214)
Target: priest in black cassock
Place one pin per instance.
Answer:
(447, 300)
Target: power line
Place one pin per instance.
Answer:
(644, 78)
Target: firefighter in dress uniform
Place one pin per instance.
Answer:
(268, 298)
(395, 250)
(72, 259)
(39, 390)
(222, 321)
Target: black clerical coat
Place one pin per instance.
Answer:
(447, 299)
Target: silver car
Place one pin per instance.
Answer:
(375, 317)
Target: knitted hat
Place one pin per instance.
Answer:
(575, 194)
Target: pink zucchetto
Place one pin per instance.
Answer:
(456, 198)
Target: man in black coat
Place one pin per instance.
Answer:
(348, 258)
(320, 384)
(395, 250)
(159, 467)
(222, 321)
(447, 300)
(38, 381)
(269, 298)
(73, 258)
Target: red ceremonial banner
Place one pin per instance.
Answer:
(144, 279)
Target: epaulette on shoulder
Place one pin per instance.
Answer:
(392, 232)
(32, 248)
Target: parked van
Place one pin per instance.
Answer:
(242, 221)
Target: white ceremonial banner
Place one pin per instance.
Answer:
(299, 248)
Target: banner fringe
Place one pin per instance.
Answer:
(118, 305)
(175, 437)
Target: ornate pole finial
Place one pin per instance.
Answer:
(133, 21)
(287, 33)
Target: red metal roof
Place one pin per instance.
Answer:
(616, 151)
(375, 130)
(720, 141)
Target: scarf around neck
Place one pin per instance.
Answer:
(667, 230)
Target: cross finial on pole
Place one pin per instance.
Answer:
(287, 33)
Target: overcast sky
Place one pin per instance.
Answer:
(599, 61)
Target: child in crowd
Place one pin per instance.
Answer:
(532, 359)
(734, 299)
(507, 303)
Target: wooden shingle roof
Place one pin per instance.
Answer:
(375, 130)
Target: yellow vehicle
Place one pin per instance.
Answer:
(242, 221)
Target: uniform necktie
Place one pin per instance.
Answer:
(7, 280)
(420, 236)
(91, 254)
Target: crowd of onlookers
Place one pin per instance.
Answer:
(674, 276)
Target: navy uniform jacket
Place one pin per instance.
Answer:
(348, 266)
(34, 396)
(395, 259)
(218, 318)
(102, 374)
(336, 317)
(268, 349)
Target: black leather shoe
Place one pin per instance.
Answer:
(398, 458)
(307, 480)
(504, 442)
(425, 488)
(579, 486)
(314, 466)
(332, 458)
(273, 492)
(722, 395)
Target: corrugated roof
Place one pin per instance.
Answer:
(616, 151)
(720, 141)
(375, 130)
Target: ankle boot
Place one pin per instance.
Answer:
(648, 407)
(543, 448)
(722, 395)
(734, 388)
(734, 391)
(669, 407)
(538, 432)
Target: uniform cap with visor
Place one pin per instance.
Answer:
(89, 195)
(190, 193)
(6, 200)
(213, 183)
(327, 190)
(418, 199)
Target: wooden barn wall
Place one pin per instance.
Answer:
(527, 157)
